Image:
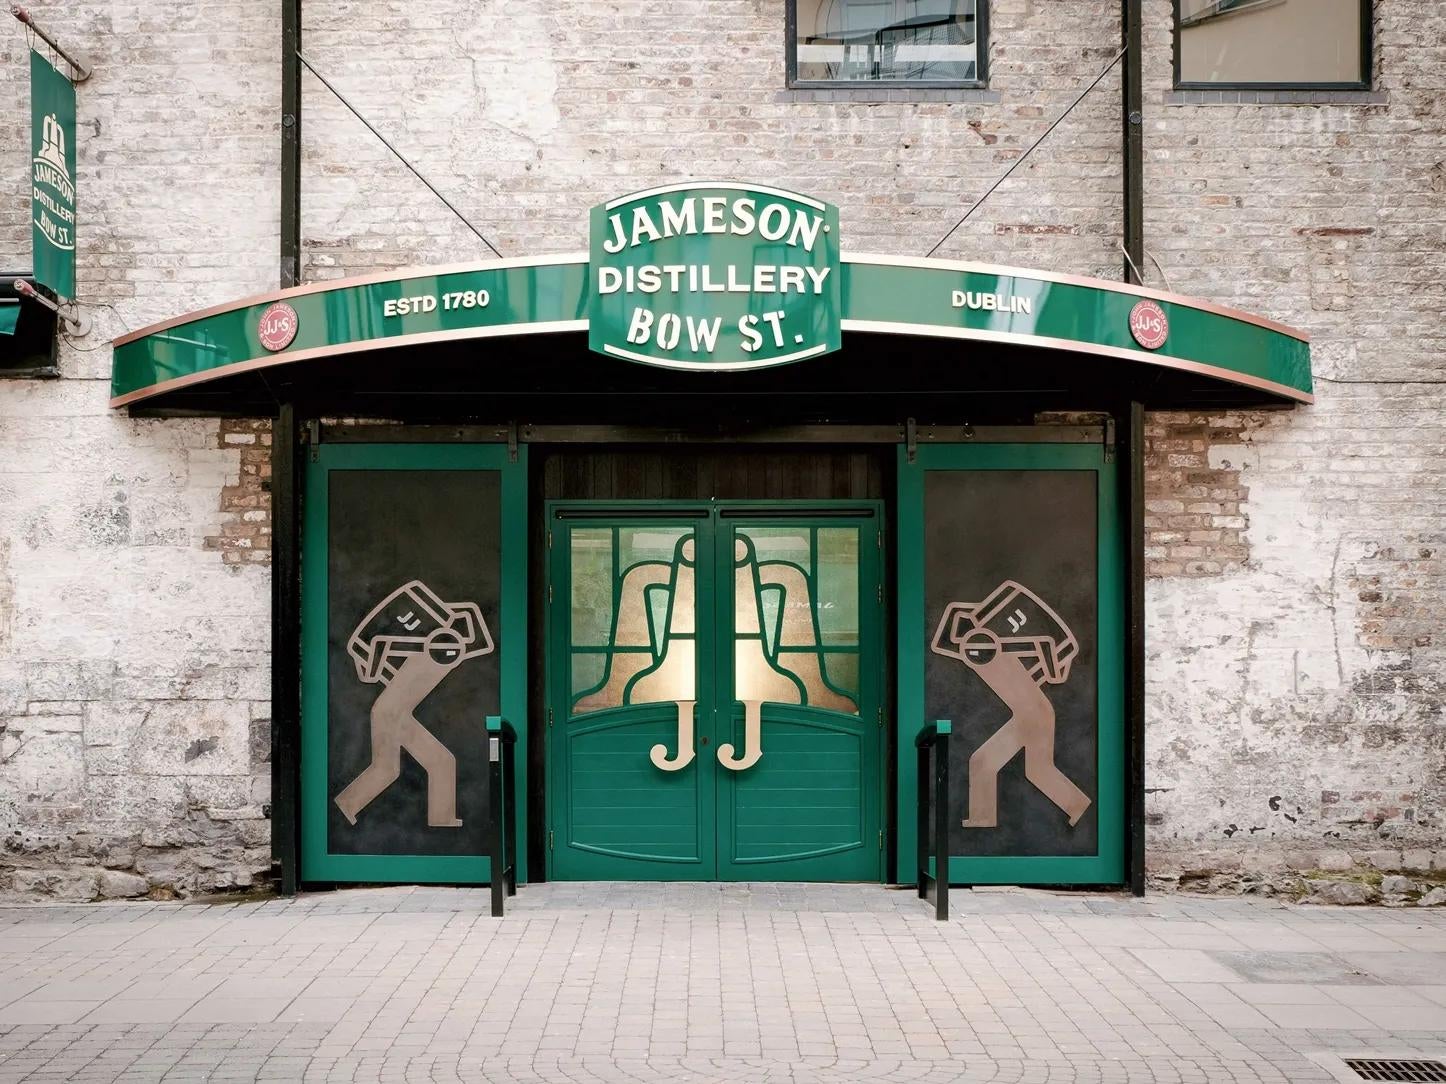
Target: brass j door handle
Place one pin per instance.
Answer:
(659, 753)
(752, 739)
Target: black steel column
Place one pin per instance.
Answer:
(1132, 117)
(286, 500)
(285, 646)
(1132, 426)
(290, 273)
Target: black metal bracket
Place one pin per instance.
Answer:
(1132, 420)
(1110, 439)
(911, 439)
(1132, 105)
(289, 255)
(932, 743)
(512, 442)
(502, 820)
(77, 64)
(286, 509)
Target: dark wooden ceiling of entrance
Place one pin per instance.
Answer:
(556, 379)
(698, 473)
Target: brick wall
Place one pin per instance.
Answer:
(1196, 493)
(527, 115)
(245, 535)
(1296, 665)
(134, 660)
(1296, 679)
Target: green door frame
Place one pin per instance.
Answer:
(317, 864)
(715, 513)
(557, 661)
(1107, 866)
(795, 514)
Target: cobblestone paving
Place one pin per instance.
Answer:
(738, 983)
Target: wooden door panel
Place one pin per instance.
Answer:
(620, 805)
(626, 671)
(798, 629)
(805, 798)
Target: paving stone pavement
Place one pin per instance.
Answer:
(804, 984)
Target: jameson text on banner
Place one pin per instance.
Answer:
(52, 176)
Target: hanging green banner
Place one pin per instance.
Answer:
(52, 176)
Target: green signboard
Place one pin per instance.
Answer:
(714, 276)
(52, 176)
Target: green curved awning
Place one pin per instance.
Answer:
(878, 294)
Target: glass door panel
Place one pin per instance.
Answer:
(636, 803)
(798, 797)
(715, 696)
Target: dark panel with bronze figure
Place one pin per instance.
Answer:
(1011, 573)
(413, 610)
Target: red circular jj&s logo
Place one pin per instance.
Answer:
(1149, 325)
(277, 326)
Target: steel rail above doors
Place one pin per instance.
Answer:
(797, 434)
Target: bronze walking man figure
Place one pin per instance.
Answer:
(1017, 645)
(409, 644)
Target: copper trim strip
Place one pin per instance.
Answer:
(1230, 376)
(875, 326)
(286, 358)
(1077, 280)
(560, 259)
(689, 367)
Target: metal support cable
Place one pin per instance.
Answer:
(1018, 161)
(1139, 278)
(1160, 268)
(399, 156)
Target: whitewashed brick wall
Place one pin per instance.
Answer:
(1297, 702)
(1297, 666)
(133, 661)
(528, 114)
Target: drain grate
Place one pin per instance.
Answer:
(1397, 1069)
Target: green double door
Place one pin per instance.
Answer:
(713, 692)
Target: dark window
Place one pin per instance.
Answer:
(27, 331)
(1320, 44)
(900, 43)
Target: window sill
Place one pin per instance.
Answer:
(1276, 96)
(974, 95)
